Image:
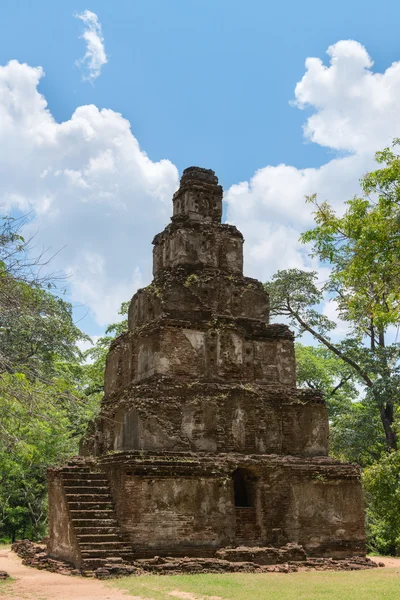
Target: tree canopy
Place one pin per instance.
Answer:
(362, 249)
(43, 405)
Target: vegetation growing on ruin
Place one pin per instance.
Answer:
(190, 280)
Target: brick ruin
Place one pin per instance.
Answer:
(203, 441)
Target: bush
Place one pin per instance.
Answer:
(382, 489)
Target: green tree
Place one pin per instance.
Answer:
(362, 248)
(97, 355)
(320, 369)
(355, 431)
(295, 295)
(43, 408)
(382, 488)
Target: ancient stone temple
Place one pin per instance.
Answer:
(203, 441)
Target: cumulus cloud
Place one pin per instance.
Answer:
(94, 192)
(95, 56)
(90, 188)
(355, 112)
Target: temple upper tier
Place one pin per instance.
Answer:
(199, 197)
(196, 238)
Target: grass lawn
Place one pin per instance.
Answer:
(374, 584)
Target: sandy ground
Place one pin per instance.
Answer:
(388, 561)
(32, 584)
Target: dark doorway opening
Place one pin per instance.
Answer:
(241, 488)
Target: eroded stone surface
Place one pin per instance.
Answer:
(203, 441)
(287, 559)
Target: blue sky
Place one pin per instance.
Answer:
(201, 82)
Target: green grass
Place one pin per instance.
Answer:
(6, 588)
(374, 584)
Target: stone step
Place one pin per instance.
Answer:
(113, 547)
(86, 505)
(124, 553)
(73, 475)
(82, 482)
(86, 489)
(75, 470)
(79, 522)
(88, 497)
(97, 530)
(90, 564)
(92, 514)
(98, 537)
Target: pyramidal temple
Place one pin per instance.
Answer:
(203, 441)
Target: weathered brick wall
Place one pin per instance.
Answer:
(305, 429)
(174, 513)
(199, 245)
(172, 507)
(197, 296)
(216, 418)
(219, 353)
(326, 516)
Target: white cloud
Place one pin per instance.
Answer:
(94, 192)
(91, 189)
(357, 112)
(95, 55)
(356, 109)
(84, 345)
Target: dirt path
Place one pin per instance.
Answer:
(389, 561)
(32, 584)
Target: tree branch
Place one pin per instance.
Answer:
(363, 374)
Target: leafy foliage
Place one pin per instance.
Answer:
(355, 430)
(96, 356)
(362, 248)
(318, 368)
(43, 408)
(382, 486)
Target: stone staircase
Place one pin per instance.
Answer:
(93, 518)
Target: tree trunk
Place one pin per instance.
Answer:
(386, 410)
(386, 413)
(381, 337)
